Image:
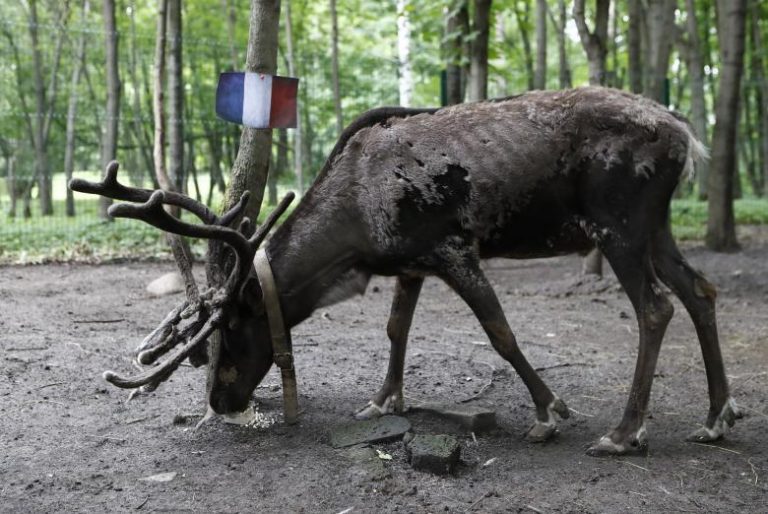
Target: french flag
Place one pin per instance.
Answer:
(257, 100)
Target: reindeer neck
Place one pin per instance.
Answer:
(313, 264)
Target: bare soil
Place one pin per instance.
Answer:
(72, 443)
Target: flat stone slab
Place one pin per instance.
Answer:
(385, 428)
(170, 283)
(437, 454)
(471, 417)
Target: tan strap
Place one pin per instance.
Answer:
(281, 350)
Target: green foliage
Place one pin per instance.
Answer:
(369, 78)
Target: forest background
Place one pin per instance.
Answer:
(78, 88)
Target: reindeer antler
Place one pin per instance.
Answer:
(210, 307)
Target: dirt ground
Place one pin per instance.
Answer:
(71, 443)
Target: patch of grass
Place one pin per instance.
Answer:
(84, 237)
(689, 217)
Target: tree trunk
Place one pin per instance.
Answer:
(404, 53)
(141, 134)
(112, 111)
(595, 43)
(158, 98)
(280, 165)
(761, 91)
(522, 15)
(69, 149)
(452, 44)
(229, 7)
(721, 227)
(540, 76)
(478, 67)
(335, 68)
(11, 185)
(297, 140)
(41, 151)
(596, 46)
(695, 64)
(661, 20)
(251, 166)
(634, 46)
(564, 75)
(175, 98)
(747, 145)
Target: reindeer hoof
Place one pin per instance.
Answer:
(719, 426)
(541, 432)
(545, 430)
(393, 404)
(634, 444)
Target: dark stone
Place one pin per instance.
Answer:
(437, 454)
(385, 428)
(473, 418)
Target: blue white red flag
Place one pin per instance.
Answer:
(257, 100)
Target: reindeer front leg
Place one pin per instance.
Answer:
(389, 399)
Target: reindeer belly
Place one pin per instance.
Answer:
(541, 220)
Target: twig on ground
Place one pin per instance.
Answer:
(50, 385)
(106, 437)
(485, 387)
(563, 365)
(138, 507)
(638, 466)
(477, 502)
(719, 448)
(306, 344)
(593, 398)
(534, 509)
(82, 321)
(27, 349)
(754, 411)
(754, 470)
(581, 413)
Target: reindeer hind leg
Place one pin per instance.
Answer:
(698, 297)
(632, 265)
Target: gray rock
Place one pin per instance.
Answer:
(385, 428)
(437, 454)
(471, 417)
(170, 283)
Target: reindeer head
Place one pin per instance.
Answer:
(234, 307)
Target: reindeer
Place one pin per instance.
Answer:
(413, 193)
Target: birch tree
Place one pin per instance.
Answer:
(405, 79)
